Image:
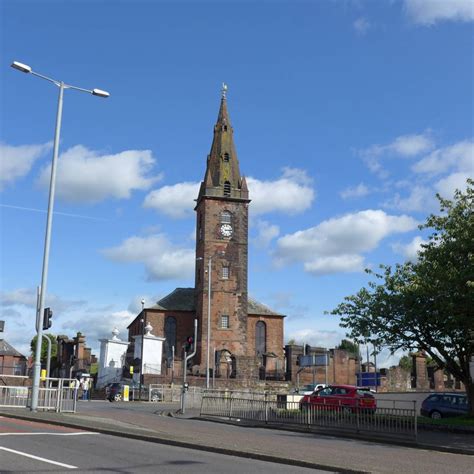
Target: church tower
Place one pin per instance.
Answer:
(222, 245)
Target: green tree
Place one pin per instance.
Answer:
(428, 304)
(406, 363)
(351, 347)
(44, 349)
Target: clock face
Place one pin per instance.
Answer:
(226, 230)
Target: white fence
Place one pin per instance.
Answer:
(58, 397)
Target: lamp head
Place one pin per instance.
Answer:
(21, 67)
(100, 93)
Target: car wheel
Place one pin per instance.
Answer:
(118, 397)
(436, 415)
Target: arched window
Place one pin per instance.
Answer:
(227, 188)
(226, 217)
(226, 157)
(170, 335)
(260, 338)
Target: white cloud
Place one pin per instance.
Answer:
(357, 191)
(410, 250)
(334, 245)
(175, 201)
(421, 198)
(429, 12)
(266, 233)
(361, 25)
(16, 161)
(291, 194)
(162, 260)
(86, 176)
(335, 264)
(405, 146)
(316, 338)
(459, 156)
(27, 297)
(446, 186)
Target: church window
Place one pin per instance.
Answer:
(170, 336)
(225, 324)
(227, 188)
(226, 157)
(226, 217)
(260, 338)
(225, 273)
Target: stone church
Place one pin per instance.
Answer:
(246, 337)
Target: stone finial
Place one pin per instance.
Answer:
(115, 333)
(224, 90)
(148, 329)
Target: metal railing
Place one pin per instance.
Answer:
(336, 417)
(59, 396)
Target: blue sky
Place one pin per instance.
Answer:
(348, 117)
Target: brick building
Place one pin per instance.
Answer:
(246, 337)
(11, 361)
(73, 356)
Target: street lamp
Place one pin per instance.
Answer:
(44, 274)
(209, 268)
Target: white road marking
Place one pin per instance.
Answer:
(68, 466)
(51, 434)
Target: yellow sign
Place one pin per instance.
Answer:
(126, 392)
(43, 374)
(131, 370)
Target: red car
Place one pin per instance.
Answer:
(344, 397)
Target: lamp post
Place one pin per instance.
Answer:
(44, 274)
(208, 342)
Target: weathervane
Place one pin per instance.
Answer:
(224, 90)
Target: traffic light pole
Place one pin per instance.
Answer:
(185, 366)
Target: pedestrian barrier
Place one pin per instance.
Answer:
(390, 422)
(57, 395)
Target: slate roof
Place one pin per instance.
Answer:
(8, 350)
(254, 307)
(182, 299)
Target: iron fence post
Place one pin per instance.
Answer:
(415, 420)
(230, 407)
(357, 415)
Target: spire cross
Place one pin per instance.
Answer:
(224, 90)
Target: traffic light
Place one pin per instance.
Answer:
(189, 343)
(47, 315)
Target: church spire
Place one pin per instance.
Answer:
(222, 177)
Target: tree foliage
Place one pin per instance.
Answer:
(351, 347)
(44, 347)
(428, 304)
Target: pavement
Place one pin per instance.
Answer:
(435, 451)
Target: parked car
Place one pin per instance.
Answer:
(441, 405)
(312, 387)
(113, 392)
(341, 397)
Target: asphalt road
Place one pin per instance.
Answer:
(37, 447)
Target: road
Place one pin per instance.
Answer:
(37, 447)
(329, 453)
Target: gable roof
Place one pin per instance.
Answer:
(8, 350)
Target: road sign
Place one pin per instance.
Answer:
(314, 360)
